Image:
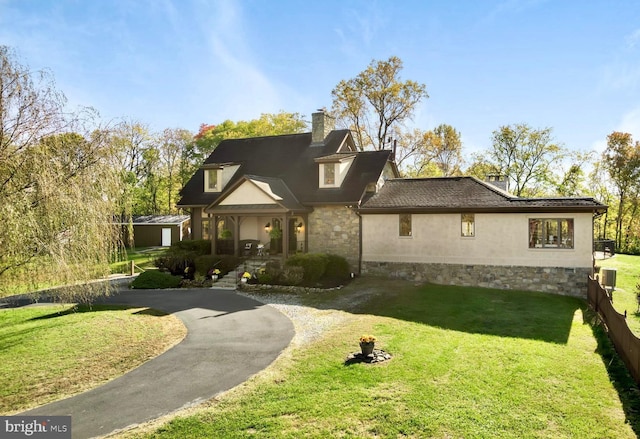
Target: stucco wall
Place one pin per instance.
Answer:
(500, 239)
(498, 256)
(335, 229)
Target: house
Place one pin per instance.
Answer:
(463, 231)
(316, 192)
(155, 230)
(284, 194)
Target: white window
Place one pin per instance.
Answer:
(212, 180)
(468, 224)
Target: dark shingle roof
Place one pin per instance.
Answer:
(457, 194)
(290, 159)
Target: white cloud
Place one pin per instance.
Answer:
(631, 123)
(230, 71)
(633, 39)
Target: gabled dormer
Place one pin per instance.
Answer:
(333, 169)
(217, 175)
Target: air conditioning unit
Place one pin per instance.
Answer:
(608, 278)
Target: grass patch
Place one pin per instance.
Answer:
(624, 296)
(51, 352)
(143, 257)
(468, 363)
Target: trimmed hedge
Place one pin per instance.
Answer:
(153, 279)
(318, 268)
(313, 264)
(337, 269)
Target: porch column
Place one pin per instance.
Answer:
(236, 236)
(305, 218)
(213, 232)
(285, 237)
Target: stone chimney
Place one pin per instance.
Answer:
(321, 125)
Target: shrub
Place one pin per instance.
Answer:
(153, 279)
(266, 278)
(183, 254)
(271, 274)
(198, 246)
(223, 263)
(292, 275)
(337, 270)
(313, 264)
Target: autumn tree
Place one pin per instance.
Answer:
(376, 103)
(445, 144)
(57, 187)
(173, 146)
(433, 153)
(480, 167)
(621, 159)
(526, 156)
(268, 124)
(571, 180)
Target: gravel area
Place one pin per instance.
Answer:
(309, 323)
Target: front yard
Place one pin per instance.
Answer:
(467, 363)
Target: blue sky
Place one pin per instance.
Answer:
(570, 65)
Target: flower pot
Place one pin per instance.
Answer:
(367, 348)
(243, 280)
(214, 277)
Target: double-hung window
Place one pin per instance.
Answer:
(468, 224)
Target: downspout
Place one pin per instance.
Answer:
(595, 216)
(357, 211)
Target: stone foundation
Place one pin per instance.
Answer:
(555, 280)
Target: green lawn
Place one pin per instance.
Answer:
(467, 363)
(624, 296)
(143, 258)
(48, 352)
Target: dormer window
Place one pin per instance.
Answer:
(212, 180)
(333, 169)
(329, 174)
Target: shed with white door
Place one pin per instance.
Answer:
(156, 230)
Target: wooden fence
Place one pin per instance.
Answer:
(626, 343)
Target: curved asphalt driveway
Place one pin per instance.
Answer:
(230, 338)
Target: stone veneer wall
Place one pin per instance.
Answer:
(336, 230)
(556, 280)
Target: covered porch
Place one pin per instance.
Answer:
(246, 233)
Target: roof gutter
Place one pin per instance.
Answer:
(548, 209)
